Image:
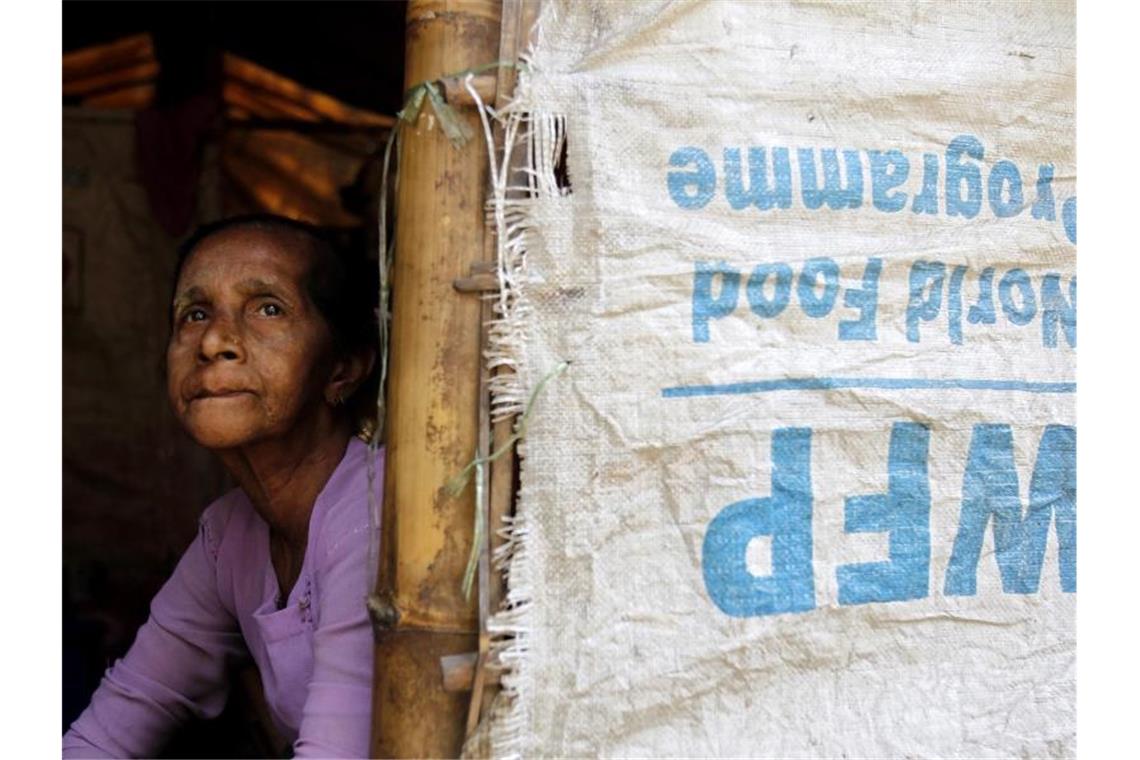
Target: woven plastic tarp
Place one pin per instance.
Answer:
(807, 485)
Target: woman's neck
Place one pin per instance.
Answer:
(283, 477)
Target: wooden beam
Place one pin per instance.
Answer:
(143, 72)
(120, 54)
(455, 90)
(477, 283)
(458, 671)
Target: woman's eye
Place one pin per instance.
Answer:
(194, 315)
(270, 310)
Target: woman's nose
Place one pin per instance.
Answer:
(220, 341)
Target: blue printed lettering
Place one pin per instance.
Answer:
(786, 517)
(923, 305)
(1055, 310)
(1044, 207)
(983, 311)
(834, 194)
(954, 304)
(926, 202)
(1069, 219)
(760, 304)
(889, 169)
(821, 305)
(958, 172)
(1019, 315)
(766, 182)
(866, 300)
(705, 306)
(990, 489)
(1005, 174)
(759, 193)
(904, 513)
(702, 178)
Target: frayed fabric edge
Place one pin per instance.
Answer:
(516, 187)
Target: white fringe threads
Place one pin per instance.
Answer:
(525, 126)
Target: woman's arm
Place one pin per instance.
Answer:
(336, 719)
(175, 669)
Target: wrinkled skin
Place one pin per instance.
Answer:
(249, 357)
(252, 376)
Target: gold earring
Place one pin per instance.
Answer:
(366, 430)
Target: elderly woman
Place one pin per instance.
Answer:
(272, 336)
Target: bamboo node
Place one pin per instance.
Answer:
(382, 609)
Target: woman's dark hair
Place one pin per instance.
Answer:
(341, 283)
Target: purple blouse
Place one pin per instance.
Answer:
(220, 608)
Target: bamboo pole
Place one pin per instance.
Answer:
(433, 399)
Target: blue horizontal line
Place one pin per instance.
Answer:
(888, 383)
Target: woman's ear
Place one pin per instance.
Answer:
(347, 375)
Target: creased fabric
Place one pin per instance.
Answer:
(807, 487)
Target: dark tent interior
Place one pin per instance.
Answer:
(177, 114)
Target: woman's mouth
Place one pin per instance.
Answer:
(221, 394)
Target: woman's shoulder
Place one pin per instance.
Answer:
(344, 503)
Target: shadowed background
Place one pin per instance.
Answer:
(177, 114)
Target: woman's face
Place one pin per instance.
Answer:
(249, 354)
